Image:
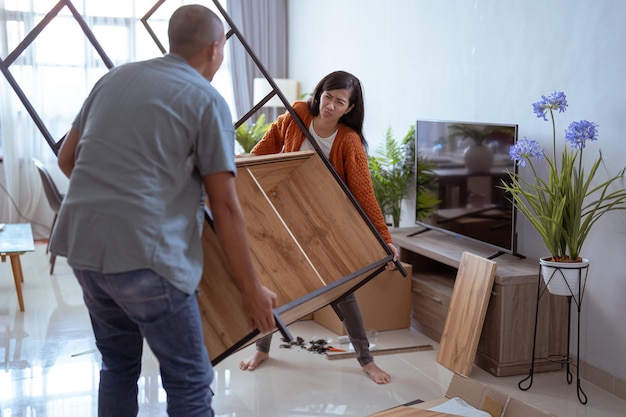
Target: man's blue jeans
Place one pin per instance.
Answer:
(126, 307)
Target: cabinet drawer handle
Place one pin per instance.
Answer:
(435, 299)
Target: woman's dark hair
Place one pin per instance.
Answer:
(342, 80)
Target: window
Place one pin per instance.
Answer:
(59, 68)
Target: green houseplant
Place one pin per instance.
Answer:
(426, 200)
(477, 133)
(248, 134)
(563, 208)
(392, 168)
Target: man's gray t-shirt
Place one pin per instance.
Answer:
(148, 131)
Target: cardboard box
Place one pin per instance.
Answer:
(478, 395)
(385, 304)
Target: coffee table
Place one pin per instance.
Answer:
(15, 240)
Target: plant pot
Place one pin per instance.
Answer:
(478, 159)
(563, 278)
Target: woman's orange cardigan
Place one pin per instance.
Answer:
(346, 155)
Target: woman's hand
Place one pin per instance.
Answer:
(391, 264)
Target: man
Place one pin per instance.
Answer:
(146, 140)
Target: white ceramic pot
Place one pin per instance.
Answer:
(563, 278)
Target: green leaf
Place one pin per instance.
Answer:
(249, 134)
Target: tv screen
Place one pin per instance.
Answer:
(469, 160)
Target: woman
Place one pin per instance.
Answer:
(334, 117)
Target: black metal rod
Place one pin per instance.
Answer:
(531, 371)
(280, 325)
(568, 368)
(89, 34)
(582, 397)
(29, 107)
(30, 36)
(144, 21)
(27, 41)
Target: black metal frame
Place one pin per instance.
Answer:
(566, 358)
(380, 265)
(55, 145)
(28, 39)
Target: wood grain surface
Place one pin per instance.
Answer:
(466, 315)
(402, 411)
(376, 352)
(307, 239)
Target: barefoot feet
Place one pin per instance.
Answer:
(371, 369)
(253, 361)
(375, 373)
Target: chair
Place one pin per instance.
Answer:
(55, 198)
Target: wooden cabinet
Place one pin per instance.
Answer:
(506, 342)
(302, 228)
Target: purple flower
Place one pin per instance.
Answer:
(563, 207)
(578, 133)
(555, 101)
(525, 149)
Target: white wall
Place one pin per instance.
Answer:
(488, 60)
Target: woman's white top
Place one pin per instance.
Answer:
(325, 144)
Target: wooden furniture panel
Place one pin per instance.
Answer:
(309, 244)
(307, 206)
(404, 411)
(265, 226)
(505, 346)
(468, 306)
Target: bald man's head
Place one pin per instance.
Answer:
(193, 27)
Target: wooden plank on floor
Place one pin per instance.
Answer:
(388, 351)
(402, 411)
(466, 314)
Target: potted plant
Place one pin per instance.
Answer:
(564, 208)
(392, 169)
(426, 200)
(248, 134)
(478, 156)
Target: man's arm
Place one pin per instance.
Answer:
(67, 153)
(231, 233)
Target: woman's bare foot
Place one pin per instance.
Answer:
(376, 374)
(253, 361)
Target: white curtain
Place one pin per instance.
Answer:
(263, 24)
(56, 72)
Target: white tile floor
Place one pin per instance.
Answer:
(48, 366)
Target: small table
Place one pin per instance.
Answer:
(15, 240)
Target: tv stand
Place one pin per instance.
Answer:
(505, 346)
(500, 253)
(495, 255)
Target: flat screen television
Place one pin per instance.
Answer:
(469, 161)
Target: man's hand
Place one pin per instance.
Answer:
(259, 307)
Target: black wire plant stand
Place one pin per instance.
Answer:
(575, 295)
